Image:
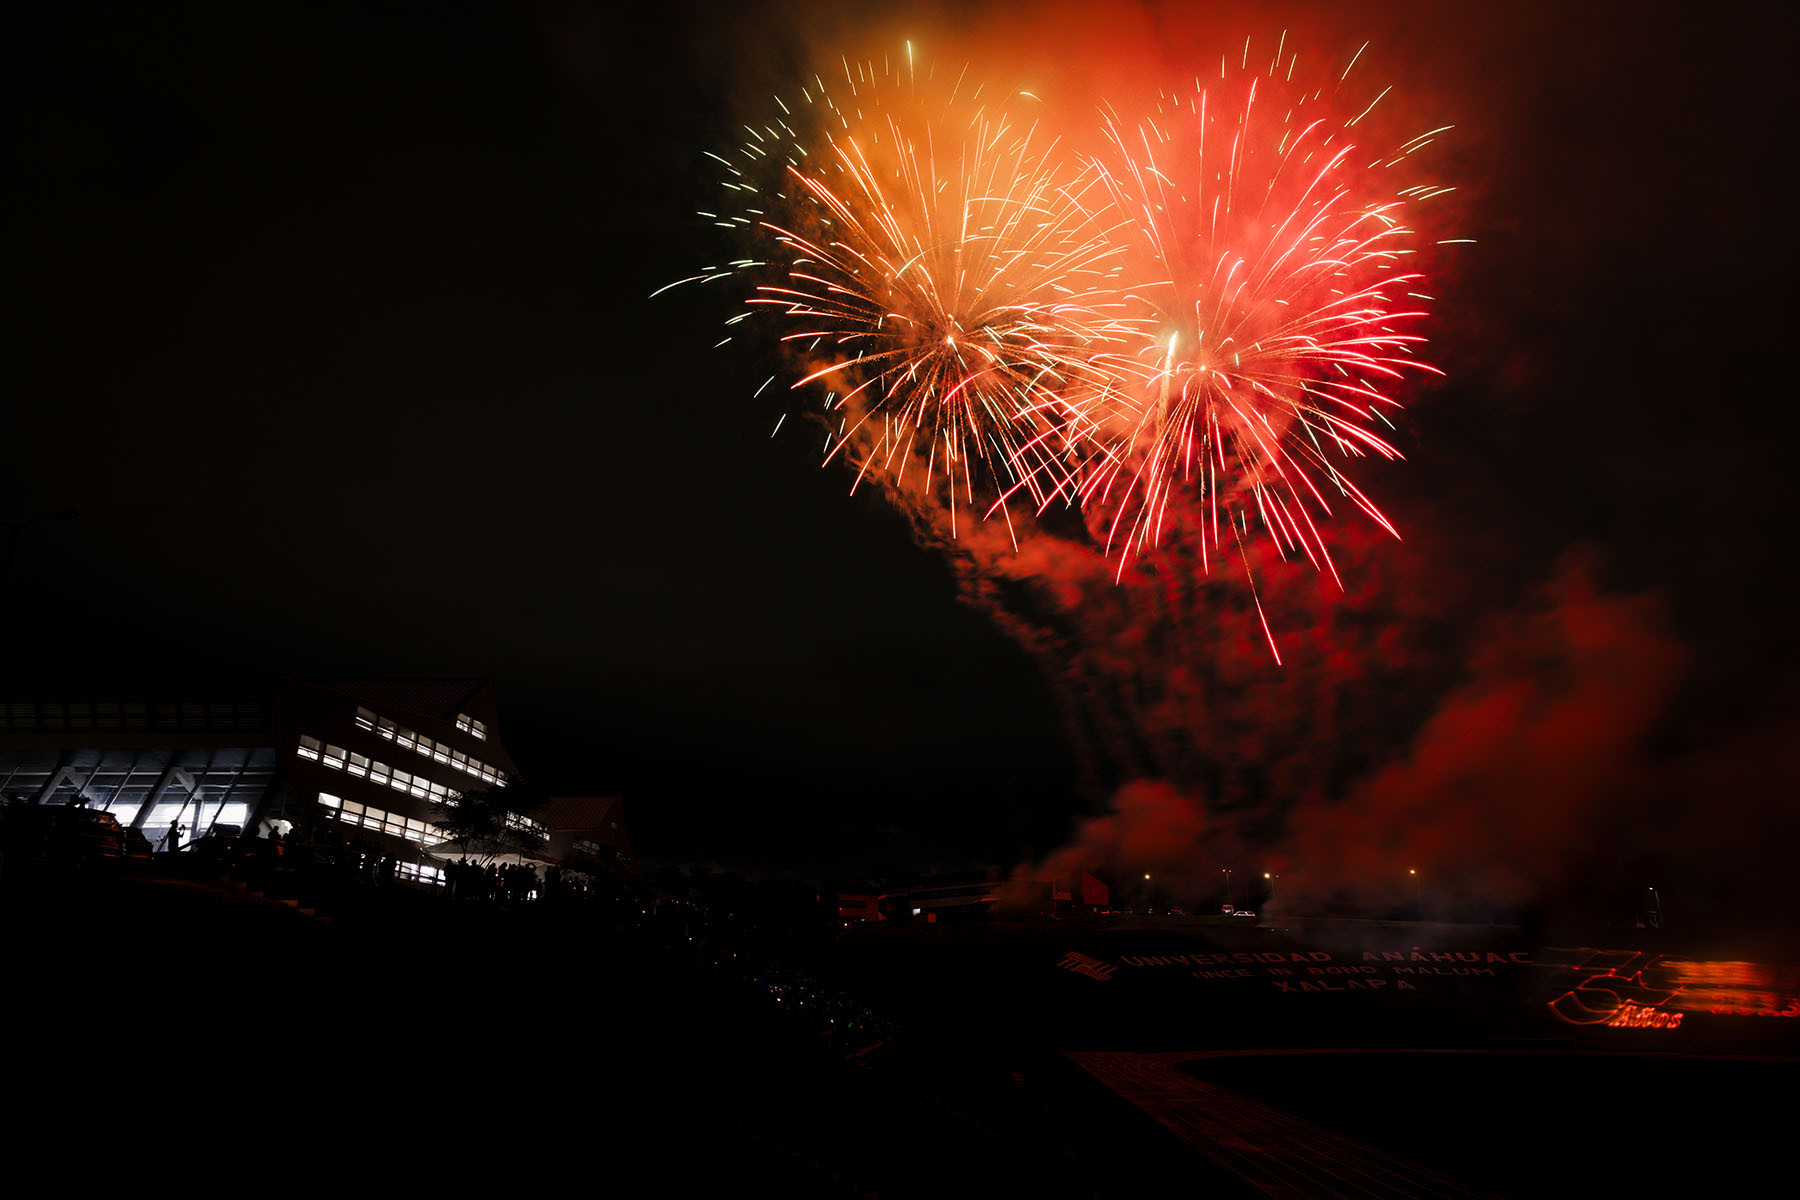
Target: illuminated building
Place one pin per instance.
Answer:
(369, 760)
(203, 755)
(342, 763)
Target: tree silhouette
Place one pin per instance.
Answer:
(493, 821)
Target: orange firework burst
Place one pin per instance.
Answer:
(941, 279)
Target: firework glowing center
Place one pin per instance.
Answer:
(1190, 331)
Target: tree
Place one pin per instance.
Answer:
(494, 821)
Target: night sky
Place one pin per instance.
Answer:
(334, 325)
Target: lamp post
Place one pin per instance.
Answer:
(1418, 891)
(1227, 873)
(1656, 900)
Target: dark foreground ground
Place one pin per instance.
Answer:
(166, 1029)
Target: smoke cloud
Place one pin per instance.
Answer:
(1430, 714)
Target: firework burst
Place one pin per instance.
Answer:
(1197, 327)
(942, 280)
(1275, 308)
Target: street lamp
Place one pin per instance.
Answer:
(1227, 872)
(1657, 900)
(1418, 890)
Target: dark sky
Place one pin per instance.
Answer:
(334, 327)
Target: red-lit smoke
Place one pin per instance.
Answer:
(1411, 725)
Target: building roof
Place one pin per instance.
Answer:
(441, 699)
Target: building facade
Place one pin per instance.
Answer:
(338, 764)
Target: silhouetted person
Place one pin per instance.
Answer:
(172, 840)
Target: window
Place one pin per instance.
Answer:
(359, 764)
(309, 748)
(365, 719)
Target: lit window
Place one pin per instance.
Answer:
(309, 747)
(385, 728)
(330, 801)
(351, 809)
(335, 756)
(359, 764)
(378, 773)
(365, 719)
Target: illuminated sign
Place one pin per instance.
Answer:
(1607, 995)
(1636, 1016)
(1093, 968)
(1630, 989)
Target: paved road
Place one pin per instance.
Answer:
(1279, 1155)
